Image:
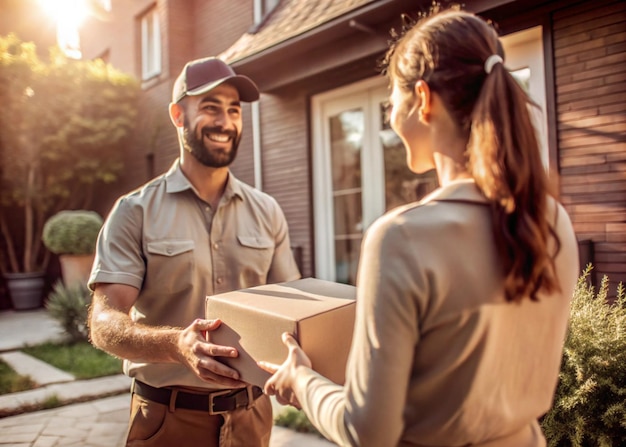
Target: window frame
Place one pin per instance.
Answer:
(262, 8)
(150, 44)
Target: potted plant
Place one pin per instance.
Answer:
(64, 125)
(72, 235)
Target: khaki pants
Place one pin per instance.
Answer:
(153, 424)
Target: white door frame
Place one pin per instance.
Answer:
(323, 106)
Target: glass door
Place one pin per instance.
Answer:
(346, 148)
(401, 185)
(360, 172)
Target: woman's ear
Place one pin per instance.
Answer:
(177, 114)
(423, 94)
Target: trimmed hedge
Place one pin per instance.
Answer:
(72, 232)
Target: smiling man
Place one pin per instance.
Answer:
(192, 232)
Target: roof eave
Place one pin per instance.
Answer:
(377, 12)
(326, 32)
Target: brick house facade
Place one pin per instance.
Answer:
(300, 52)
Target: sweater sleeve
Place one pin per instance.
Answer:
(368, 409)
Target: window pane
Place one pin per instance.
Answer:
(150, 45)
(347, 252)
(346, 145)
(346, 140)
(401, 184)
(348, 213)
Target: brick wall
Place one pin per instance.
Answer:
(219, 23)
(590, 69)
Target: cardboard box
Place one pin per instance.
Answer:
(320, 314)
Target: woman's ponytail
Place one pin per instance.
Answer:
(505, 160)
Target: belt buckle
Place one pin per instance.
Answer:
(211, 403)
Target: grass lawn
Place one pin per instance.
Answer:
(80, 359)
(11, 382)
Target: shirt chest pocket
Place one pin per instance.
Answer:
(169, 265)
(256, 257)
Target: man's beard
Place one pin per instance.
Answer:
(210, 158)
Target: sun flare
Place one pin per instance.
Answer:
(68, 12)
(68, 15)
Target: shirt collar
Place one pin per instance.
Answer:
(176, 181)
(464, 190)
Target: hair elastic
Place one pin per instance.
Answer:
(491, 61)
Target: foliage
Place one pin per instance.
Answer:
(296, 420)
(69, 306)
(590, 402)
(12, 382)
(72, 232)
(64, 125)
(52, 401)
(80, 359)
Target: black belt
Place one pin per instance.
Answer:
(216, 402)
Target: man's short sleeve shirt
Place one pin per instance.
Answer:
(167, 242)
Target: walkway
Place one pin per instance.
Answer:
(99, 417)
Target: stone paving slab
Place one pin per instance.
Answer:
(28, 328)
(85, 424)
(40, 372)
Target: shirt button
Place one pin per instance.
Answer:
(216, 246)
(207, 209)
(220, 280)
(169, 251)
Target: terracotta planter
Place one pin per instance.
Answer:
(25, 289)
(75, 269)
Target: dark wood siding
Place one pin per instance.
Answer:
(590, 79)
(286, 173)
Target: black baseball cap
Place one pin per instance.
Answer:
(202, 75)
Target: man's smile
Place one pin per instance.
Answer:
(218, 137)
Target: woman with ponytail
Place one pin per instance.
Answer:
(462, 298)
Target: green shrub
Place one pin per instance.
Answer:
(296, 420)
(69, 306)
(72, 232)
(590, 403)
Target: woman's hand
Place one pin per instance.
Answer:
(282, 383)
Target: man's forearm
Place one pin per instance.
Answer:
(116, 333)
